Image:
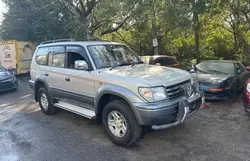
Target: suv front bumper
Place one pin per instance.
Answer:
(167, 113)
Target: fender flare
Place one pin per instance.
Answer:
(119, 91)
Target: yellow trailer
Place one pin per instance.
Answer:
(16, 55)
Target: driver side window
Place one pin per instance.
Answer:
(75, 53)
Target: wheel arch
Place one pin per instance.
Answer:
(105, 95)
(38, 84)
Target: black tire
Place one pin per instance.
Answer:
(51, 108)
(133, 131)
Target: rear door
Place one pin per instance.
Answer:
(55, 71)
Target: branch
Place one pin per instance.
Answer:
(163, 35)
(116, 28)
(225, 28)
(82, 6)
(98, 24)
(123, 39)
(90, 5)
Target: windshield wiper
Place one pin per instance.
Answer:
(216, 71)
(119, 65)
(138, 62)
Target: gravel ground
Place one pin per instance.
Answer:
(219, 133)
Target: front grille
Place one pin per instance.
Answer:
(176, 91)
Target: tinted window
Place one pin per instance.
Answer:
(166, 61)
(56, 57)
(41, 56)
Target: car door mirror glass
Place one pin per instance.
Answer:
(238, 70)
(81, 65)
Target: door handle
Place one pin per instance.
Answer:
(46, 74)
(67, 79)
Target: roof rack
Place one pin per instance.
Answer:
(54, 41)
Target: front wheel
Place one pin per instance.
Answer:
(45, 102)
(120, 123)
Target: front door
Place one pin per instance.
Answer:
(78, 84)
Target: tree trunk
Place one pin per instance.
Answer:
(86, 29)
(197, 36)
(154, 32)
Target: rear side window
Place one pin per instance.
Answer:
(166, 61)
(41, 56)
(56, 57)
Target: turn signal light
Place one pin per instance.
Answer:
(215, 89)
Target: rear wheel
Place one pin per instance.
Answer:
(120, 123)
(45, 102)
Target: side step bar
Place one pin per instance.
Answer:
(76, 109)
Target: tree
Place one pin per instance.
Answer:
(35, 20)
(99, 17)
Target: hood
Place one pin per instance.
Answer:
(5, 75)
(208, 78)
(151, 74)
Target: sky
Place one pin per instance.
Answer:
(2, 9)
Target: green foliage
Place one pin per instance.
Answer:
(187, 29)
(35, 20)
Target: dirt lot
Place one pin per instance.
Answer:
(220, 132)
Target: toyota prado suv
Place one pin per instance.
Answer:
(107, 81)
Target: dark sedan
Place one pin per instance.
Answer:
(7, 80)
(220, 79)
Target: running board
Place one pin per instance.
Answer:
(76, 109)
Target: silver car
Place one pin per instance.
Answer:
(107, 81)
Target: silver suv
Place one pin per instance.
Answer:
(107, 81)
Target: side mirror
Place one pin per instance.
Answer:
(238, 70)
(193, 69)
(81, 65)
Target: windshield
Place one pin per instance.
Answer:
(105, 56)
(216, 67)
(1, 69)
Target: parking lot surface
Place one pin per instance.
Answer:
(218, 133)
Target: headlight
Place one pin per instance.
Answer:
(196, 86)
(189, 89)
(153, 94)
(14, 79)
(248, 87)
(217, 81)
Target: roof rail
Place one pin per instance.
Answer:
(54, 41)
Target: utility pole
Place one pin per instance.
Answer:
(154, 31)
